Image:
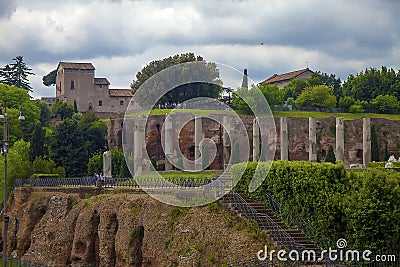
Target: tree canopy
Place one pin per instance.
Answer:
(316, 96)
(18, 99)
(204, 71)
(16, 74)
(50, 78)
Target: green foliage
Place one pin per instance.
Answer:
(205, 71)
(153, 162)
(18, 164)
(249, 100)
(47, 166)
(330, 81)
(16, 99)
(316, 96)
(386, 153)
(16, 74)
(361, 206)
(374, 144)
(346, 101)
(75, 106)
(95, 164)
(294, 88)
(68, 148)
(64, 109)
(272, 94)
(44, 111)
(371, 83)
(50, 78)
(356, 109)
(94, 131)
(37, 148)
(119, 167)
(330, 156)
(385, 103)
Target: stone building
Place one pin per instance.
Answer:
(76, 82)
(281, 80)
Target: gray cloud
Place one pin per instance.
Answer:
(334, 36)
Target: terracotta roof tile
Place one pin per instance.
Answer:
(120, 92)
(101, 81)
(74, 65)
(285, 76)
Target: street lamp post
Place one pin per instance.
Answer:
(4, 151)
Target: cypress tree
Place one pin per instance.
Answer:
(374, 145)
(330, 156)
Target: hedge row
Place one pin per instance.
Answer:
(362, 207)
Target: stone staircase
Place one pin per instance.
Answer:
(296, 234)
(282, 236)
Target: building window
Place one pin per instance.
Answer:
(100, 86)
(72, 84)
(100, 103)
(121, 102)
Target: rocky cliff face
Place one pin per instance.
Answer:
(387, 131)
(71, 228)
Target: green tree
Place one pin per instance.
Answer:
(68, 148)
(18, 99)
(94, 131)
(374, 145)
(294, 88)
(386, 103)
(64, 109)
(272, 94)
(205, 71)
(50, 78)
(330, 80)
(371, 83)
(18, 164)
(37, 147)
(16, 74)
(316, 96)
(330, 156)
(45, 112)
(47, 166)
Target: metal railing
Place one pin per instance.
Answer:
(146, 182)
(296, 221)
(264, 221)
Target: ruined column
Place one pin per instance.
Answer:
(284, 139)
(312, 140)
(256, 140)
(197, 139)
(339, 139)
(226, 140)
(168, 143)
(366, 141)
(107, 164)
(138, 139)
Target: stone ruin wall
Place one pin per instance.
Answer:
(386, 131)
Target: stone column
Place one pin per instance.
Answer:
(284, 139)
(256, 140)
(107, 164)
(339, 139)
(197, 138)
(366, 141)
(226, 140)
(138, 143)
(312, 140)
(168, 145)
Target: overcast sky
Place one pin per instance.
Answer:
(121, 36)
